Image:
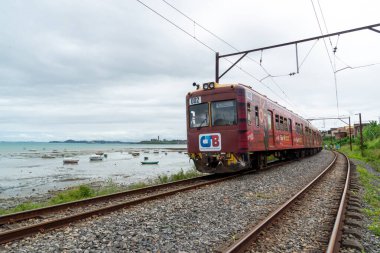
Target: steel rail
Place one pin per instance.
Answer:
(19, 216)
(19, 233)
(11, 218)
(244, 242)
(334, 242)
(14, 234)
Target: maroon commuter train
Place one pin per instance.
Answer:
(233, 127)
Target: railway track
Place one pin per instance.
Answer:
(310, 220)
(19, 225)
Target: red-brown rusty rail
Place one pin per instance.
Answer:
(14, 234)
(244, 242)
(11, 218)
(334, 242)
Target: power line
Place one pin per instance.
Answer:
(319, 25)
(171, 22)
(358, 67)
(196, 23)
(204, 44)
(230, 45)
(324, 21)
(328, 54)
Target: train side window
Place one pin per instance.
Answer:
(257, 115)
(249, 114)
(286, 124)
(289, 125)
(281, 123)
(277, 122)
(302, 129)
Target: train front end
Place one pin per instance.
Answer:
(216, 128)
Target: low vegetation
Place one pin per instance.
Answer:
(86, 191)
(369, 179)
(371, 184)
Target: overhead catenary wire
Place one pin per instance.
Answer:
(174, 24)
(324, 21)
(320, 28)
(231, 46)
(209, 47)
(357, 67)
(333, 66)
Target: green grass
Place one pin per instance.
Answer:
(371, 184)
(85, 191)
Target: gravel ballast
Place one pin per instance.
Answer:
(306, 226)
(196, 221)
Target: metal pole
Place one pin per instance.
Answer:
(349, 130)
(303, 40)
(298, 69)
(361, 133)
(217, 67)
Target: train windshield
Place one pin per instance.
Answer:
(224, 113)
(199, 115)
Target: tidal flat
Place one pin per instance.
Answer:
(36, 172)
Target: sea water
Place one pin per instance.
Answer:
(24, 171)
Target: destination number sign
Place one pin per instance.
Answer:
(195, 100)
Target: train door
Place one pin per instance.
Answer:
(270, 125)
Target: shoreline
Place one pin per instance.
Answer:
(40, 171)
(98, 188)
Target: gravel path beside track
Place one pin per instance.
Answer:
(196, 221)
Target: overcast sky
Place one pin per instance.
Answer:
(115, 70)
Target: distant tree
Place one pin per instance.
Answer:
(371, 131)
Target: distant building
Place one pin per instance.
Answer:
(357, 128)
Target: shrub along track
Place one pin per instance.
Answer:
(310, 220)
(22, 224)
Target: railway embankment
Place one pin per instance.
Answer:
(366, 158)
(368, 194)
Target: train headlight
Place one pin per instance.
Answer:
(211, 85)
(205, 86)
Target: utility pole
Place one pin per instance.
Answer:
(361, 133)
(341, 119)
(349, 130)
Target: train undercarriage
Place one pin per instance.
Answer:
(232, 162)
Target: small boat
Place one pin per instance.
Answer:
(47, 156)
(96, 158)
(156, 152)
(135, 154)
(149, 162)
(70, 161)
